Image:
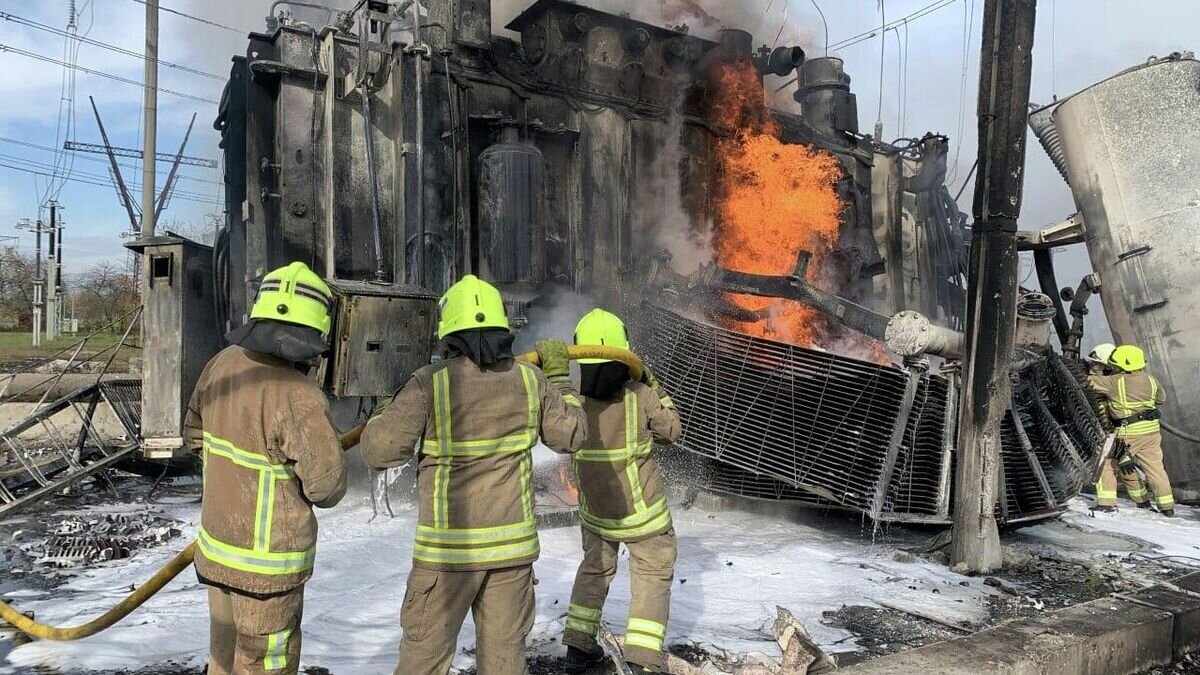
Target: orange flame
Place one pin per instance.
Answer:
(776, 200)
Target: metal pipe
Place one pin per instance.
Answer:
(1049, 283)
(419, 48)
(373, 174)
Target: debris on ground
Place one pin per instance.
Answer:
(80, 540)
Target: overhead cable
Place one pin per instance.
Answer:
(90, 71)
(875, 32)
(209, 22)
(103, 45)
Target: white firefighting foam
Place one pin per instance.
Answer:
(734, 568)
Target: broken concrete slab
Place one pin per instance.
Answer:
(1184, 607)
(1104, 637)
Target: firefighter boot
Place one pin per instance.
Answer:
(1168, 513)
(1143, 505)
(579, 661)
(1104, 508)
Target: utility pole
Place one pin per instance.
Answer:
(53, 261)
(1004, 72)
(39, 279)
(150, 115)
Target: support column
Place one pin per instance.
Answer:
(991, 312)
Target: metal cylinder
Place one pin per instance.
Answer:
(824, 96)
(511, 214)
(1035, 312)
(1132, 150)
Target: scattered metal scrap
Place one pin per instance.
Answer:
(79, 540)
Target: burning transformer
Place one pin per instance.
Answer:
(396, 149)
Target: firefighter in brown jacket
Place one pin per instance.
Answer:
(476, 414)
(270, 454)
(621, 500)
(1132, 398)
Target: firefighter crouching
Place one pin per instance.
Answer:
(1132, 398)
(621, 500)
(270, 454)
(477, 414)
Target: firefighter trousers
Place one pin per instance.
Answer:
(1147, 454)
(651, 571)
(253, 636)
(436, 603)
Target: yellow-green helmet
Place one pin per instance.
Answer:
(601, 328)
(294, 294)
(1128, 358)
(471, 303)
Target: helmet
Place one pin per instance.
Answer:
(1101, 353)
(1128, 358)
(471, 303)
(599, 327)
(294, 294)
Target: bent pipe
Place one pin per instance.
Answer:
(184, 558)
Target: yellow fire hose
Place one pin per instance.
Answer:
(184, 558)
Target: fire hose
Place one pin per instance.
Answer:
(183, 559)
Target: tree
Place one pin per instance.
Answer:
(204, 232)
(17, 274)
(103, 293)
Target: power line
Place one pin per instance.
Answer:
(824, 23)
(89, 158)
(84, 181)
(875, 32)
(40, 169)
(214, 24)
(89, 71)
(103, 45)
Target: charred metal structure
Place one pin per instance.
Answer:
(398, 148)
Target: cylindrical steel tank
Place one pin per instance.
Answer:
(824, 96)
(512, 226)
(1132, 147)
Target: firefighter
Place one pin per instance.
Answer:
(1132, 398)
(270, 454)
(1098, 359)
(621, 501)
(477, 414)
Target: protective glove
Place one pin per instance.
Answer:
(1125, 464)
(648, 378)
(553, 356)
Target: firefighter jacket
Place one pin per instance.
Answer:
(270, 454)
(476, 427)
(1130, 395)
(621, 494)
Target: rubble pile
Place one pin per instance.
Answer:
(78, 540)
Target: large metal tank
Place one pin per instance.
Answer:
(512, 222)
(1133, 157)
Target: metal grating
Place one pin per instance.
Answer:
(784, 422)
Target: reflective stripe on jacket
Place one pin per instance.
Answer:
(270, 453)
(1128, 394)
(621, 495)
(476, 428)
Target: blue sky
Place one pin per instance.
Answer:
(1086, 41)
